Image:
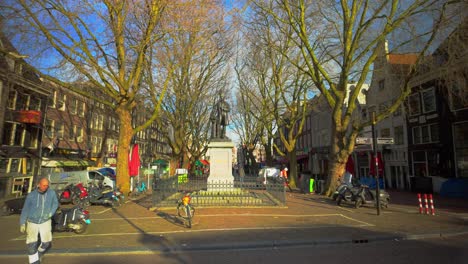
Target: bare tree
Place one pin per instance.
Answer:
(280, 88)
(338, 40)
(194, 51)
(102, 42)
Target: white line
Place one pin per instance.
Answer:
(103, 211)
(218, 215)
(195, 231)
(362, 222)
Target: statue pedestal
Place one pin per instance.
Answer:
(220, 153)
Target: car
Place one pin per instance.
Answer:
(269, 175)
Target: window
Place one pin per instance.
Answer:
(54, 100)
(61, 100)
(50, 128)
(12, 134)
(398, 135)
(429, 103)
(79, 134)
(22, 101)
(35, 103)
(382, 84)
(101, 122)
(364, 115)
(81, 109)
(12, 95)
(74, 106)
(426, 134)
(417, 135)
(459, 96)
(31, 136)
(385, 132)
(414, 104)
(72, 133)
(382, 107)
(60, 131)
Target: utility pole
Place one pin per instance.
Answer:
(375, 160)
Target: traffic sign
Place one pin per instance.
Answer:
(385, 141)
(363, 141)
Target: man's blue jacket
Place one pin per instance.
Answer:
(39, 207)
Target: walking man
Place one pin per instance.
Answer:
(38, 209)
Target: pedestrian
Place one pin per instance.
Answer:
(284, 174)
(35, 220)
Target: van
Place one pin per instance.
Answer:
(270, 175)
(58, 180)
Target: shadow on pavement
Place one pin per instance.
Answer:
(153, 242)
(173, 219)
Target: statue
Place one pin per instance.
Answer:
(219, 118)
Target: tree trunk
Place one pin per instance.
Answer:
(336, 170)
(125, 137)
(293, 179)
(338, 158)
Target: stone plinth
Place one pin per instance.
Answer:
(220, 155)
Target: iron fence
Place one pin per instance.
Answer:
(166, 192)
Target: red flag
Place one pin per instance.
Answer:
(134, 161)
(350, 165)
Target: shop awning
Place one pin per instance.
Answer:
(67, 163)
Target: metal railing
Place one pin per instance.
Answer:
(166, 192)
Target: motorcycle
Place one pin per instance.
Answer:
(74, 194)
(73, 219)
(347, 193)
(102, 197)
(368, 196)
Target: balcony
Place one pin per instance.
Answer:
(27, 116)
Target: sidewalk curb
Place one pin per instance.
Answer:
(143, 250)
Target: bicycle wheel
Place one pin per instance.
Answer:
(186, 212)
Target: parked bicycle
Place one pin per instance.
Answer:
(185, 210)
(139, 188)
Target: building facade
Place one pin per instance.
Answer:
(23, 100)
(387, 80)
(438, 115)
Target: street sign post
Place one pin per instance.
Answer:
(363, 141)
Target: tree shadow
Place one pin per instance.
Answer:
(155, 242)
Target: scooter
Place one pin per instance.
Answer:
(347, 193)
(73, 219)
(102, 197)
(368, 196)
(74, 194)
(344, 182)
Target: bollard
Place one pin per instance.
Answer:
(420, 204)
(426, 204)
(432, 204)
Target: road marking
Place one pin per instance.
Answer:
(196, 231)
(219, 215)
(359, 221)
(360, 224)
